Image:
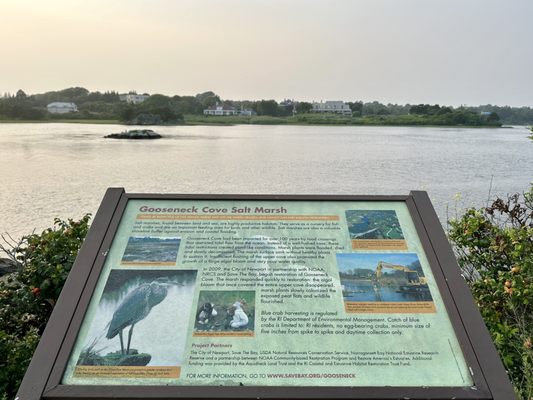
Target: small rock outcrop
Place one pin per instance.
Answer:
(135, 134)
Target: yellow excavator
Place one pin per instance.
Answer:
(413, 278)
(416, 285)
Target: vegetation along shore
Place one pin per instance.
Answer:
(79, 105)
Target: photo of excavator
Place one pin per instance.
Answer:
(382, 277)
(415, 283)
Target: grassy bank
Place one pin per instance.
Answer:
(303, 119)
(332, 119)
(61, 121)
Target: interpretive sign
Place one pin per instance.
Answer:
(183, 296)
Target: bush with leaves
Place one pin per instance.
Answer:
(495, 251)
(27, 297)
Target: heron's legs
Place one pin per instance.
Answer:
(129, 338)
(121, 342)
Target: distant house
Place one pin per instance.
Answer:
(289, 106)
(245, 112)
(59, 107)
(133, 98)
(337, 107)
(220, 109)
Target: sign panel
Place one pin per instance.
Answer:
(184, 296)
(284, 293)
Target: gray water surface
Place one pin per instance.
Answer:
(63, 170)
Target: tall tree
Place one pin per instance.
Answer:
(267, 107)
(303, 107)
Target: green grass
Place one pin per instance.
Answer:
(62, 121)
(328, 119)
(191, 119)
(301, 119)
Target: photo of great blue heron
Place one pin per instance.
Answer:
(151, 250)
(142, 319)
(225, 311)
(373, 224)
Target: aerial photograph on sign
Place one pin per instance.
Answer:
(122, 333)
(225, 313)
(373, 224)
(151, 250)
(372, 278)
(375, 230)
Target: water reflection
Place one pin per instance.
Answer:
(51, 170)
(368, 291)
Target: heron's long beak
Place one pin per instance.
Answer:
(171, 284)
(168, 282)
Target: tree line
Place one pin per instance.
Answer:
(160, 109)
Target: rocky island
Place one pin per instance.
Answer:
(135, 134)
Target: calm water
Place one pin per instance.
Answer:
(62, 170)
(367, 291)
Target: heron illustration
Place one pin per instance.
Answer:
(135, 307)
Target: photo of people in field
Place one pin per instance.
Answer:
(229, 311)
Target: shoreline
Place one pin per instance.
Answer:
(61, 121)
(235, 123)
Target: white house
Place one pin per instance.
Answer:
(133, 98)
(58, 107)
(337, 107)
(220, 109)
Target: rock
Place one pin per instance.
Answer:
(7, 266)
(135, 360)
(135, 134)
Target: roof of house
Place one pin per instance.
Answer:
(221, 107)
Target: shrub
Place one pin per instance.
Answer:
(495, 251)
(28, 296)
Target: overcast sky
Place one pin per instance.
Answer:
(400, 51)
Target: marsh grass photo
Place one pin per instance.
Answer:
(150, 249)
